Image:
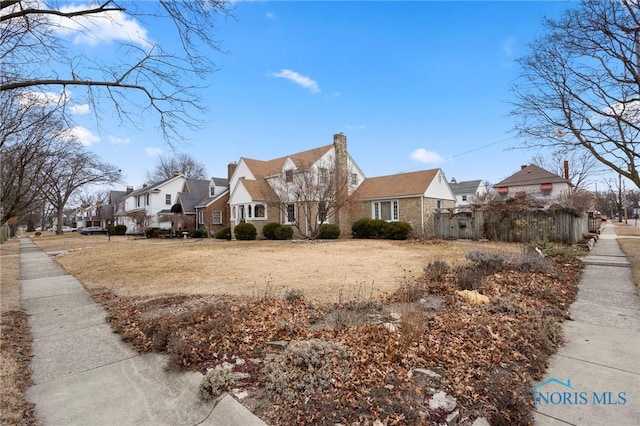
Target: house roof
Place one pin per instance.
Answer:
(466, 187)
(262, 169)
(220, 181)
(400, 185)
(259, 189)
(531, 175)
(150, 188)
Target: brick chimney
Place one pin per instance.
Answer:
(566, 169)
(231, 167)
(523, 166)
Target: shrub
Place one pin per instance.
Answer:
(245, 232)
(329, 231)
(269, 230)
(199, 233)
(216, 381)
(487, 262)
(223, 234)
(397, 230)
(283, 233)
(368, 228)
(152, 232)
(118, 230)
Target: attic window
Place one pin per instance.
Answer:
(288, 176)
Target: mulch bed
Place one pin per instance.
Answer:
(355, 363)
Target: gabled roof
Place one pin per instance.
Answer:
(219, 181)
(262, 169)
(531, 175)
(155, 186)
(259, 189)
(116, 196)
(400, 185)
(466, 187)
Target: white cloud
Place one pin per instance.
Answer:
(298, 79)
(81, 135)
(271, 15)
(119, 141)
(43, 98)
(100, 27)
(153, 152)
(81, 109)
(424, 156)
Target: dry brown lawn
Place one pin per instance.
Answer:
(326, 271)
(631, 247)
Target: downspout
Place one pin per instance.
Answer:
(422, 215)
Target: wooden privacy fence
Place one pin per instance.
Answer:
(524, 226)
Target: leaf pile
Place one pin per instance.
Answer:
(339, 368)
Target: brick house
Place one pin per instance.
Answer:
(409, 197)
(534, 183)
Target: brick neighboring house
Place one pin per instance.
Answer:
(467, 192)
(534, 182)
(260, 190)
(212, 211)
(409, 197)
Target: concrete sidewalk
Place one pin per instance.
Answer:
(84, 375)
(594, 379)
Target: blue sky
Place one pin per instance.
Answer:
(413, 85)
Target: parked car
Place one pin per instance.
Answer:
(68, 229)
(93, 230)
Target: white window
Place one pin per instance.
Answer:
(439, 204)
(200, 217)
(212, 191)
(291, 213)
(249, 210)
(288, 176)
(354, 179)
(146, 199)
(464, 198)
(138, 198)
(233, 212)
(323, 175)
(259, 210)
(167, 199)
(217, 217)
(385, 210)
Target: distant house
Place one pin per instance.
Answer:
(212, 212)
(263, 191)
(467, 192)
(409, 197)
(169, 204)
(535, 183)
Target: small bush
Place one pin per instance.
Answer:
(245, 232)
(437, 270)
(487, 262)
(152, 232)
(118, 230)
(283, 233)
(199, 233)
(223, 234)
(468, 278)
(215, 382)
(294, 294)
(369, 228)
(329, 231)
(397, 230)
(269, 230)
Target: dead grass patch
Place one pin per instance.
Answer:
(15, 342)
(332, 271)
(631, 248)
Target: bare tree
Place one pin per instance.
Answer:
(141, 77)
(140, 218)
(580, 85)
(167, 167)
(310, 196)
(581, 164)
(70, 168)
(28, 135)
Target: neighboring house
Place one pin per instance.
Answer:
(169, 204)
(211, 211)
(409, 197)
(92, 215)
(467, 192)
(535, 183)
(264, 191)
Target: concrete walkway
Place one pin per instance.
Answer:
(594, 379)
(85, 375)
